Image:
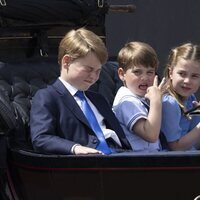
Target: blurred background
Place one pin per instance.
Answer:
(162, 24)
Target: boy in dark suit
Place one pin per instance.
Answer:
(59, 121)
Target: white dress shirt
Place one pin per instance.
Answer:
(108, 133)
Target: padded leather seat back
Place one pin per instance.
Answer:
(19, 81)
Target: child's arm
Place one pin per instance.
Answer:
(149, 128)
(187, 141)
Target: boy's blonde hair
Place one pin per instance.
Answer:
(78, 43)
(187, 51)
(137, 53)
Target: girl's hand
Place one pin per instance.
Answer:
(196, 103)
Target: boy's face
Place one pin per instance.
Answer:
(138, 79)
(82, 72)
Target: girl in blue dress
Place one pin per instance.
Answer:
(182, 76)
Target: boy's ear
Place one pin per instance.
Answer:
(121, 73)
(66, 60)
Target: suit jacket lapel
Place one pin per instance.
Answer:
(69, 101)
(99, 104)
(109, 117)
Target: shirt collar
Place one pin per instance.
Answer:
(69, 87)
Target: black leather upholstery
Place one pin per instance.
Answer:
(19, 81)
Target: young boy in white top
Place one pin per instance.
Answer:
(137, 104)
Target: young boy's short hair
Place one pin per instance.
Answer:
(137, 53)
(78, 43)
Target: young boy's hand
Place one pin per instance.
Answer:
(81, 150)
(155, 91)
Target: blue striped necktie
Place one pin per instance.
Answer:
(89, 114)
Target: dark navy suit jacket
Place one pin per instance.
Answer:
(57, 122)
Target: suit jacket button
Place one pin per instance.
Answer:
(94, 141)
